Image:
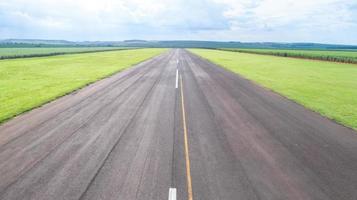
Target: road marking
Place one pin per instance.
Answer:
(187, 156)
(172, 194)
(177, 61)
(176, 79)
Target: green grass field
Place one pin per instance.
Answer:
(326, 87)
(32, 52)
(30, 82)
(337, 56)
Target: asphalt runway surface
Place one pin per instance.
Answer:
(176, 121)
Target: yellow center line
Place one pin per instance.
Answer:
(187, 156)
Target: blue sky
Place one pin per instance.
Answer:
(325, 21)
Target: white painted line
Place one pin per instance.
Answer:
(176, 78)
(177, 61)
(172, 194)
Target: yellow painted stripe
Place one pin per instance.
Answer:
(187, 156)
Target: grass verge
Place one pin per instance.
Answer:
(326, 55)
(326, 87)
(14, 53)
(31, 82)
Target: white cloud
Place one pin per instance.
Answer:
(247, 20)
(285, 12)
(292, 20)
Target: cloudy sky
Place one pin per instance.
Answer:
(327, 21)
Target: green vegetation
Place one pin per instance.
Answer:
(31, 82)
(326, 87)
(335, 56)
(8, 53)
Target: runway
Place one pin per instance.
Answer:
(176, 121)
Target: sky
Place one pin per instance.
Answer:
(321, 21)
